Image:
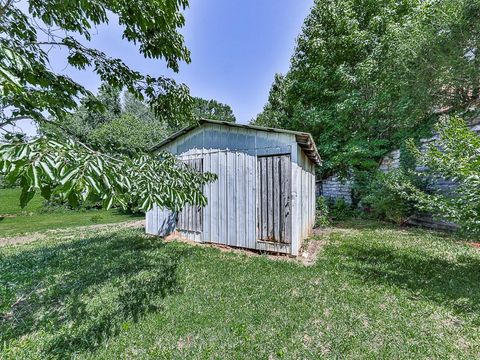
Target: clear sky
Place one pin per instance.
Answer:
(236, 48)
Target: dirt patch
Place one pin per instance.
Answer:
(23, 239)
(310, 253)
(82, 231)
(307, 257)
(472, 244)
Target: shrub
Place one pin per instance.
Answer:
(321, 212)
(454, 156)
(95, 219)
(383, 201)
(340, 210)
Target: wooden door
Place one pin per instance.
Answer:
(191, 217)
(274, 195)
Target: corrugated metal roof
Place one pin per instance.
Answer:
(304, 140)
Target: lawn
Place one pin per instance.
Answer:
(14, 220)
(375, 292)
(10, 202)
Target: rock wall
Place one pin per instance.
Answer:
(336, 188)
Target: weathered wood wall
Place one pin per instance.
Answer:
(231, 214)
(274, 199)
(303, 199)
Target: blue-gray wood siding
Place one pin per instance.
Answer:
(230, 215)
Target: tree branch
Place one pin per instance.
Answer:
(10, 121)
(4, 7)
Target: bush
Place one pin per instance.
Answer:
(383, 201)
(340, 210)
(454, 156)
(321, 212)
(57, 204)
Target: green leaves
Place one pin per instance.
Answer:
(28, 86)
(366, 75)
(30, 89)
(453, 156)
(212, 110)
(75, 172)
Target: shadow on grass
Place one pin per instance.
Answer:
(372, 225)
(83, 292)
(453, 284)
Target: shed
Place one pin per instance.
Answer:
(264, 196)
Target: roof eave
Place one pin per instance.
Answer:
(303, 139)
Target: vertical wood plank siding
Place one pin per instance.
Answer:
(191, 217)
(247, 176)
(273, 209)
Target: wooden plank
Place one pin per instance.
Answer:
(250, 210)
(258, 188)
(270, 195)
(282, 199)
(190, 218)
(148, 220)
(222, 209)
(231, 199)
(263, 199)
(241, 213)
(276, 183)
(207, 192)
(274, 199)
(214, 219)
(253, 230)
(287, 203)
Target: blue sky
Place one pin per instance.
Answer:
(236, 48)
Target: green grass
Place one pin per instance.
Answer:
(10, 202)
(374, 292)
(14, 220)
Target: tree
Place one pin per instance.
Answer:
(454, 156)
(127, 134)
(274, 112)
(138, 109)
(366, 75)
(127, 128)
(30, 89)
(212, 110)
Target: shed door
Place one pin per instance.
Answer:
(274, 199)
(191, 217)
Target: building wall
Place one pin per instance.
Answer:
(230, 215)
(336, 188)
(303, 199)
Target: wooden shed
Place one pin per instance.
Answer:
(264, 197)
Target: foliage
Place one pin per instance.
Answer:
(273, 112)
(212, 110)
(321, 212)
(30, 89)
(112, 294)
(454, 156)
(383, 202)
(129, 128)
(366, 75)
(74, 172)
(340, 210)
(127, 135)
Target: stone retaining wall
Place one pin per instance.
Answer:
(335, 188)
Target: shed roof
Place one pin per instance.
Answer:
(303, 139)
